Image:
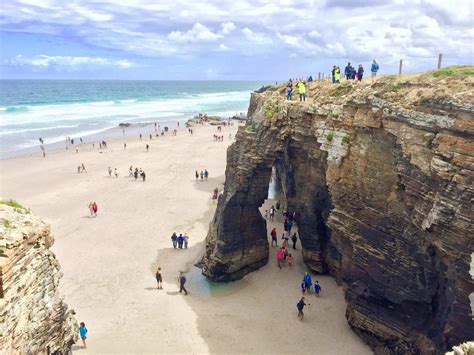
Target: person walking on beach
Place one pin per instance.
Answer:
(130, 171)
(109, 170)
(140, 136)
(159, 278)
(182, 281)
(307, 281)
(202, 175)
(143, 175)
(116, 173)
(94, 208)
(180, 241)
(272, 213)
(273, 233)
(124, 146)
(77, 149)
(186, 240)
(206, 174)
(197, 175)
(135, 173)
(374, 69)
(317, 288)
(300, 305)
(289, 260)
(83, 334)
(174, 238)
(280, 257)
(294, 239)
(147, 147)
(91, 209)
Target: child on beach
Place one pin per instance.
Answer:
(159, 278)
(109, 170)
(289, 260)
(280, 256)
(303, 287)
(307, 281)
(300, 305)
(317, 288)
(83, 334)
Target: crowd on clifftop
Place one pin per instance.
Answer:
(350, 73)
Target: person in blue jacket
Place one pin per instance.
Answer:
(374, 69)
(348, 71)
(307, 281)
(300, 305)
(83, 333)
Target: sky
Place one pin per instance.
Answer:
(227, 40)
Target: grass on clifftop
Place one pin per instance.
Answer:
(455, 71)
(11, 203)
(17, 207)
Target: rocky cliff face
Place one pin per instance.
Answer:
(381, 178)
(33, 317)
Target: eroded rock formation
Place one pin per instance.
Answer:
(381, 178)
(33, 317)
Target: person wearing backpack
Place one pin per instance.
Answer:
(374, 69)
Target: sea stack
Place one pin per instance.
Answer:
(33, 316)
(381, 178)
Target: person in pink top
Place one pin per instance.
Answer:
(280, 257)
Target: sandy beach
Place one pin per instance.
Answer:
(109, 262)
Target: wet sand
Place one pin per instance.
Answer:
(109, 262)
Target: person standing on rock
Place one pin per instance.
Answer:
(294, 239)
(374, 69)
(300, 305)
(83, 334)
(159, 278)
(302, 90)
(174, 238)
(360, 72)
(182, 281)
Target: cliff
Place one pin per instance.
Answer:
(381, 179)
(33, 317)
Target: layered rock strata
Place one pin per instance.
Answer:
(381, 179)
(33, 317)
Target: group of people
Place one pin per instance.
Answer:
(181, 279)
(93, 209)
(81, 168)
(283, 257)
(285, 237)
(300, 85)
(352, 74)
(180, 241)
(218, 138)
(136, 173)
(115, 171)
(204, 174)
(307, 285)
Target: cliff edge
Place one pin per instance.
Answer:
(33, 317)
(381, 179)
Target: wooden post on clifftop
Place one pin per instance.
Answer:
(400, 69)
(440, 58)
(319, 76)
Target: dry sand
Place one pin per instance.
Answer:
(109, 262)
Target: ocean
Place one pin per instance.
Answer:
(90, 109)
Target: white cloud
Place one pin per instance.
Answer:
(65, 62)
(358, 30)
(227, 27)
(223, 47)
(198, 33)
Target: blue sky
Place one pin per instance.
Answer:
(235, 40)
